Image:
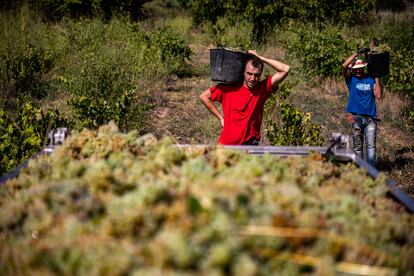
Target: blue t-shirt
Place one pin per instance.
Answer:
(361, 96)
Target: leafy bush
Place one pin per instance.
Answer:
(401, 76)
(111, 65)
(390, 5)
(398, 33)
(207, 10)
(291, 127)
(236, 36)
(170, 48)
(57, 9)
(104, 70)
(24, 135)
(264, 15)
(26, 55)
(103, 80)
(321, 51)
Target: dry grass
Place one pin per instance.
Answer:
(180, 113)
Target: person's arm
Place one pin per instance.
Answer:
(281, 68)
(345, 66)
(347, 74)
(205, 98)
(377, 89)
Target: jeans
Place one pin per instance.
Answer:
(365, 128)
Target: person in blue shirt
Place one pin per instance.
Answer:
(364, 94)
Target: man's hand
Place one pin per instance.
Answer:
(252, 52)
(350, 118)
(363, 51)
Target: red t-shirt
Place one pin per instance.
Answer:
(242, 109)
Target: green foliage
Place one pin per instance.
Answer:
(397, 31)
(335, 12)
(172, 49)
(401, 79)
(102, 84)
(24, 135)
(265, 14)
(183, 4)
(399, 35)
(321, 51)
(207, 10)
(408, 114)
(111, 65)
(57, 9)
(103, 69)
(235, 36)
(24, 72)
(390, 5)
(291, 127)
(401, 76)
(26, 56)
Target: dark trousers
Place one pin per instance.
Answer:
(251, 142)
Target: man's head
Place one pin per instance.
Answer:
(358, 67)
(252, 72)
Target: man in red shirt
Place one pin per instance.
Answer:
(243, 104)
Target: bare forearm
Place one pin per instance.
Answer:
(213, 109)
(349, 60)
(345, 66)
(377, 89)
(279, 66)
(205, 99)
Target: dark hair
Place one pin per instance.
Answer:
(256, 62)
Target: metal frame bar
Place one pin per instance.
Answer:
(15, 172)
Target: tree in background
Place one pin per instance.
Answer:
(56, 9)
(265, 14)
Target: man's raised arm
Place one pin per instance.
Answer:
(281, 68)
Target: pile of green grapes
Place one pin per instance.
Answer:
(110, 203)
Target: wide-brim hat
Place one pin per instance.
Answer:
(358, 64)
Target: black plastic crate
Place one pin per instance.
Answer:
(378, 64)
(227, 66)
